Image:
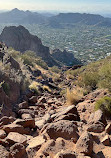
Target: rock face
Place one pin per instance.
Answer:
(65, 57)
(21, 40)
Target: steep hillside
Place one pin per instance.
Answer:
(21, 40)
(65, 57)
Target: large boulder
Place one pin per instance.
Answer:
(85, 144)
(15, 128)
(63, 128)
(17, 150)
(26, 123)
(97, 116)
(35, 144)
(14, 137)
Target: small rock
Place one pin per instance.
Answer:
(42, 100)
(65, 154)
(23, 105)
(26, 116)
(33, 100)
(2, 134)
(97, 127)
(106, 140)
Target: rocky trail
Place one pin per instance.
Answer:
(43, 127)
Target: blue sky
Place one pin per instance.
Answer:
(59, 5)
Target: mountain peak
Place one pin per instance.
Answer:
(15, 10)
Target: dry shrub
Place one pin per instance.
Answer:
(34, 86)
(46, 88)
(73, 96)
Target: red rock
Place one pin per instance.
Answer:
(17, 150)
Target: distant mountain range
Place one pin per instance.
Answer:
(56, 21)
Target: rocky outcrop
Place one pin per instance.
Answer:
(65, 57)
(21, 40)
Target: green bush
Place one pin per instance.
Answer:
(104, 104)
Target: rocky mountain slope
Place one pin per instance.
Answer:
(65, 57)
(21, 40)
(41, 124)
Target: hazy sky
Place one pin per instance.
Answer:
(60, 5)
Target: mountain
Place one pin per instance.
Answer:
(56, 21)
(77, 18)
(21, 17)
(65, 57)
(21, 40)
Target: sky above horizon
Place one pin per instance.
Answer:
(95, 6)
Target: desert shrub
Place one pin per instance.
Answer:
(30, 58)
(46, 88)
(73, 96)
(15, 54)
(104, 104)
(89, 79)
(34, 86)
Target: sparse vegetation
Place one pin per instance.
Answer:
(34, 86)
(74, 95)
(105, 105)
(46, 88)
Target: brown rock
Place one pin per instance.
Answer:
(65, 154)
(14, 137)
(4, 142)
(42, 100)
(23, 105)
(26, 111)
(66, 110)
(63, 128)
(33, 100)
(106, 140)
(2, 134)
(84, 144)
(97, 127)
(3, 152)
(26, 116)
(15, 128)
(26, 123)
(35, 143)
(17, 150)
(97, 116)
(6, 120)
